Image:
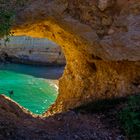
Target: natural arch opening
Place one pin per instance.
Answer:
(89, 75)
(30, 69)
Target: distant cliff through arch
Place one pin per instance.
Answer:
(33, 51)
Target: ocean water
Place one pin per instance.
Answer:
(31, 90)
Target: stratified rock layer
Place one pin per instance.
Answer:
(29, 50)
(100, 40)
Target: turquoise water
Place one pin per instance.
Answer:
(35, 94)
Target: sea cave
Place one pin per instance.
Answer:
(100, 42)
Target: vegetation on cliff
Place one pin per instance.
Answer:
(6, 20)
(124, 112)
(7, 13)
(130, 118)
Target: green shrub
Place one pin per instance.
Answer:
(6, 20)
(130, 118)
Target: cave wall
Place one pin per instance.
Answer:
(100, 40)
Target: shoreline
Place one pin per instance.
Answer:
(54, 83)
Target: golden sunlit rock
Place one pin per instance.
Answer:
(100, 40)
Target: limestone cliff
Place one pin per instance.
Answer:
(100, 40)
(29, 50)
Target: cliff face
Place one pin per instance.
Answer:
(32, 51)
(100, 40)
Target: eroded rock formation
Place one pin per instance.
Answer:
(16, 123)
(100, 40)
(38, 51)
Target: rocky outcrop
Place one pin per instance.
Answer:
(29, 50)
(100, 40)
(16, 123)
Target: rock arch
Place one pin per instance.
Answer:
(101, 50)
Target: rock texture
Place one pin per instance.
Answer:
(29, 50)
(100, 40)
(18, 124)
